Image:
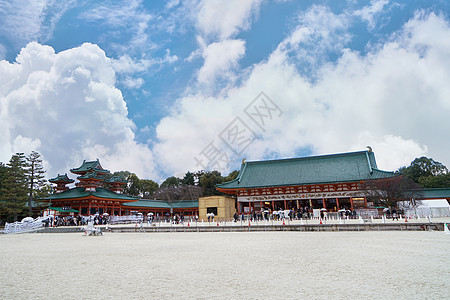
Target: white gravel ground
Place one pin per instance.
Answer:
(236, 265)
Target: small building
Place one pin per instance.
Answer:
(223, 207)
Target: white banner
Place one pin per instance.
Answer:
(346, 194)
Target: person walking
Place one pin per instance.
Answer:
(394, 214)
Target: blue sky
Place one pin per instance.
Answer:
(160, 88)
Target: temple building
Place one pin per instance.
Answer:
(330, 182)
(93, 193)
(96, 192)
(61, 181)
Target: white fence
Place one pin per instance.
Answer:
(367, 213)
(126, 219)
(26, 225)
(435, 212)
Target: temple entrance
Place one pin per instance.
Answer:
(344, 203)
(303, 203)
(331, 204)
(316, 203)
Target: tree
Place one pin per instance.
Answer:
(171, 182)
(233, 175)
(133, 187)
(388, 192)
(208, 183)
(3, 170)
(148, 188)
(36, 179)
(121, 174)
(188, 179)
(423, 167)
(438, 181)
(14, 187)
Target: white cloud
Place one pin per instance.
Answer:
(394, 99)
(225, 18)
(220, 59)
(32, 20)
(319, 32)
(217, 22)
(118, 15)
(370, 13)
(25, 145)
(133, 83)
(126, 64)
(65, 106)
(128, 18)
(394, 151)
(21, 21)
(172, 4)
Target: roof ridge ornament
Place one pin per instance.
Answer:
(370, 148)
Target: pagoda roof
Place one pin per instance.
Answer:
(61, 178)
(116, 179)
(91, 175)
(332, 168)
(90, 166)
(80, 192)
(147, 203)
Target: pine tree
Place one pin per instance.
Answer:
(36, 178)
(3, 169)
(14, 187)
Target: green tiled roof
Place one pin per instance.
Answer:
(343, 167)
(61, 178)
(80, 192)
(91, 175)
(185, 204)
(443, 193)
(163, 204)
(89, 166)
(116, 179)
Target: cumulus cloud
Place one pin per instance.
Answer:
(216, 22)
(65, 105)
(220, 59)
(393, 99)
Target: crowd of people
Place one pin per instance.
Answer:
(291, 214)
(56, 221)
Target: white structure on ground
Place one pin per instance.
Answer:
(28, 224)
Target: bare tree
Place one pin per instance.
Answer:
(390, 191)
